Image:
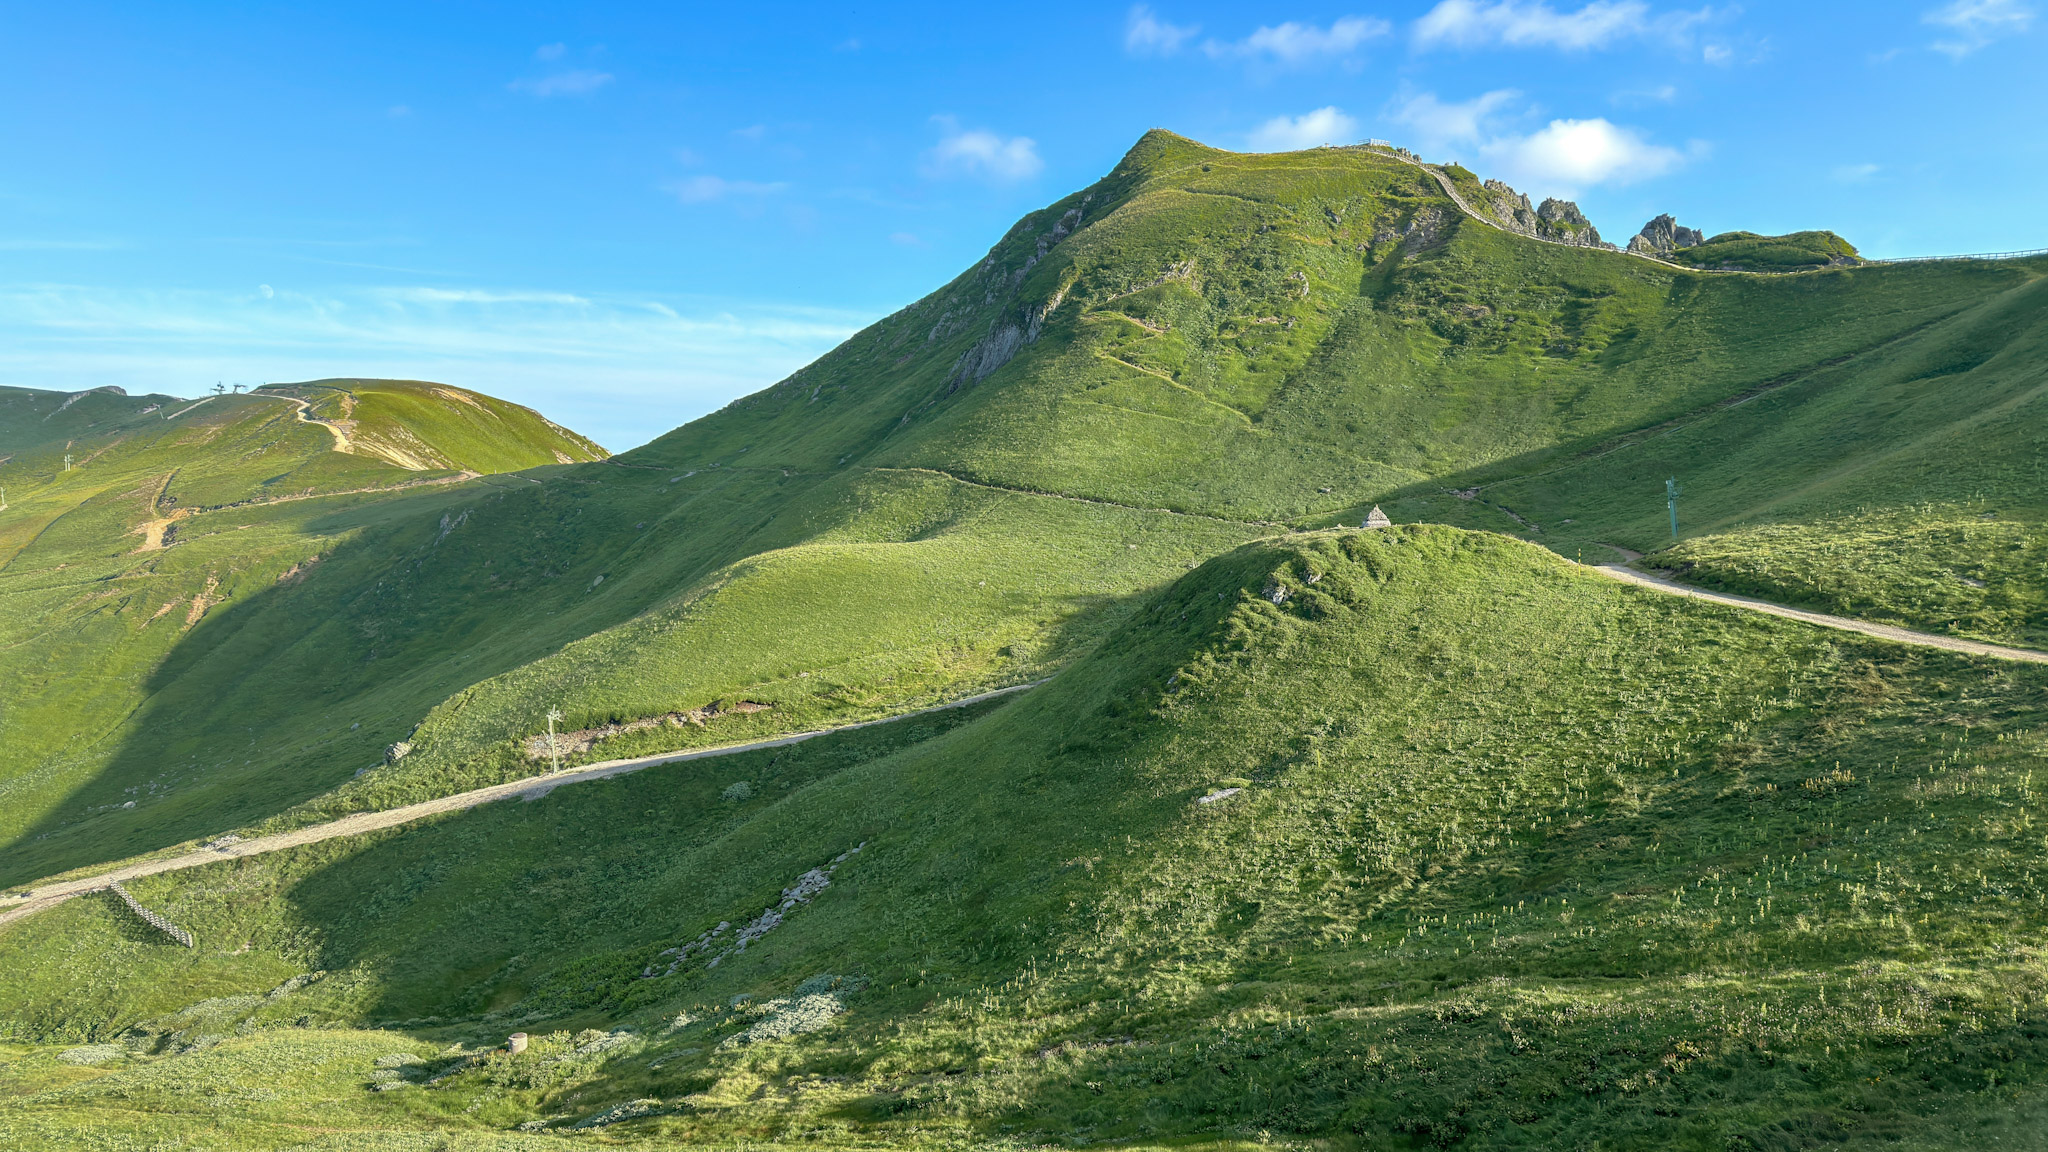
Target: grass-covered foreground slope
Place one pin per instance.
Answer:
(1516, 857)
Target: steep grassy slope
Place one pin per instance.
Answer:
(1519, 857)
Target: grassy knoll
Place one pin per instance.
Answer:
(1750, 252)
(1520, 857)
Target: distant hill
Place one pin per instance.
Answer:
(1418, 836)
(172, 511)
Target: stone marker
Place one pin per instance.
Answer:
(515, 1043)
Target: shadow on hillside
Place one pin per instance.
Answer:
(546, 913)
(281, 695)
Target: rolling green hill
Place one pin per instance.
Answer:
(1516, 855)
(172, 514)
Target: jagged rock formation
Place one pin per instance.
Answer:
(1663, 236)
(1007, 336)
(1555, 220)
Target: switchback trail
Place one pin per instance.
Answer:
(1882, 631)
(32, 899)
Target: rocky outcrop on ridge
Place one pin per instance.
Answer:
(1663, 236)
(1559, 221)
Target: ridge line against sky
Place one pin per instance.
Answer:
(626, 215)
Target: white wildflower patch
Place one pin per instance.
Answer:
(92, 1054)
(806, 889)
(789, 1017)
(617, 1112)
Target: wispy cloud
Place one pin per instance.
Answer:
(574, 82)
(1638, 97)
(1856, 173)
(1148, 35)
(979, 152)
(620, 369)
(1439, 125)
(1564, 157)
(1293, 43)
(705, 189)
(1974, 24)
(478, 296)
(550, 52)
(1308, 130)
(1527, 24)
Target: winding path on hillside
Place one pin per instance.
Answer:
(1629, 575)
(28, 901)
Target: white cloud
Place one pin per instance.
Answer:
(907, 239)
(575, 82)
(1973, 24)
(618, 369)
(550, 51)
(979, 152)
(1569, 155)
(474, 296)
(1293, 43)
(1288, 133)
(1856, 173)
(1562, 158)
(1719, 55)
(1147, 35)
(1439, 125)
(704, 189)
(1533, 24)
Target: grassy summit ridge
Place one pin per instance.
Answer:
(1518, 855)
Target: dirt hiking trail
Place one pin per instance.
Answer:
(30, 899)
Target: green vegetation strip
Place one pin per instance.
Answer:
(34, 899)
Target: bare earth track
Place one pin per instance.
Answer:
(15, 905)
(1882, 631)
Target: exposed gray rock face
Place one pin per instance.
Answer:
(1663, 236)
(1561, 220)
(1008, 335)
(1555, 220)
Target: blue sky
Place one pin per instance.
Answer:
(626, 215)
